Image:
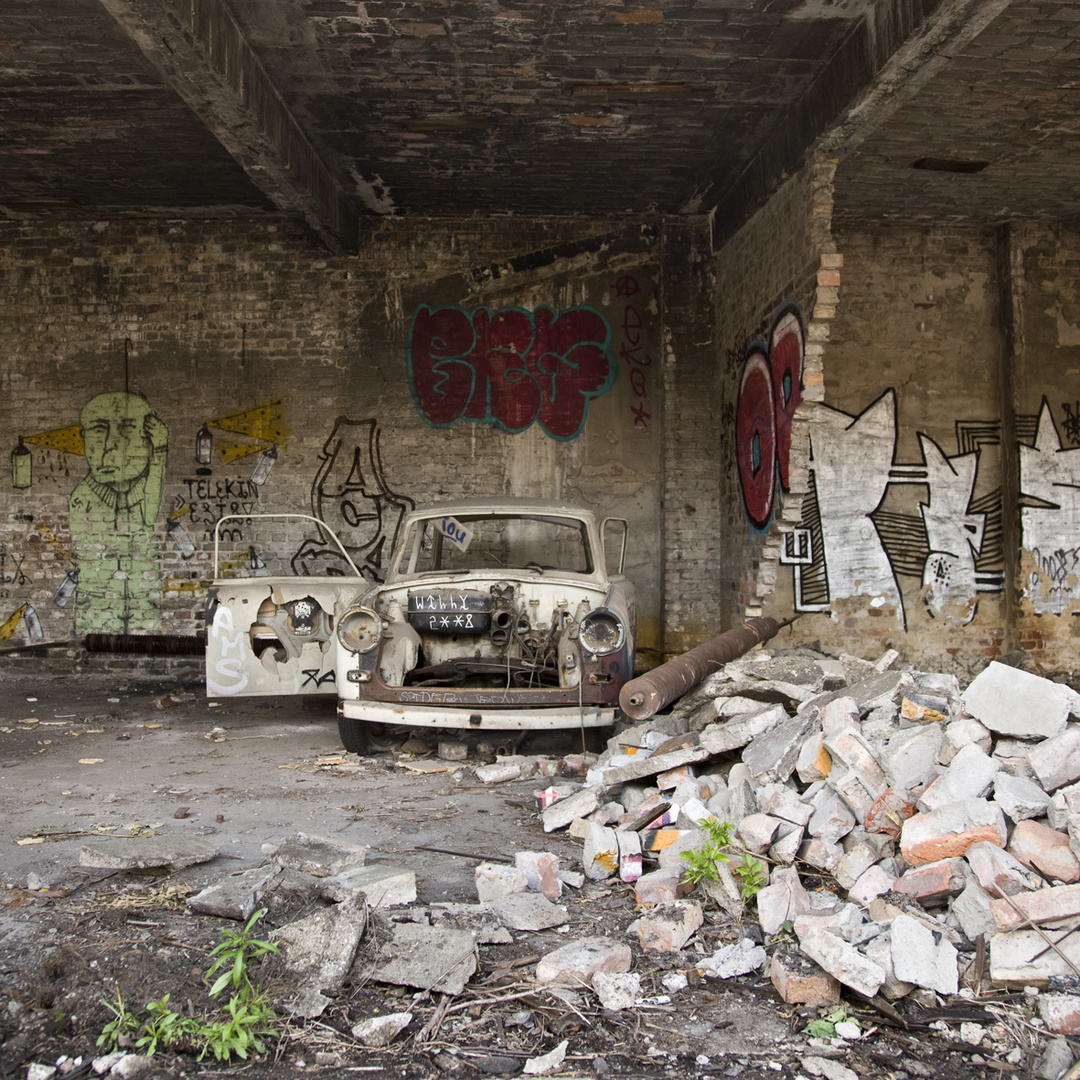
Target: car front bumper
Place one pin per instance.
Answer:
(478, 718)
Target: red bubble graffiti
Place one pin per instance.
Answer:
(769, 393)
(510, 368)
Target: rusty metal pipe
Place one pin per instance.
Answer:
(645, 696)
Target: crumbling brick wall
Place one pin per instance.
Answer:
(781, 264)
(256, 374)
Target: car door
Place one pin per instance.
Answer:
(277, 634)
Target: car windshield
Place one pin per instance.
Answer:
(496, 542)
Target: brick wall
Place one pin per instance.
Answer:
(941, 453)
(238, 328)
(781, 261)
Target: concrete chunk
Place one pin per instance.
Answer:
(494, 881)
(320, 856)
(529, 911)
(235, 897)
(381, 885)
(920, 958)
(639, 767)
(972, 911)
(1013, 702)
(730, 961)
(841, 960)
(1056, 761)
(970, 776)
(852, 750)
(575, 963)
(1015, 959)
(617, 990)
(427, 957)
(379, 1031)
(832, 818)
(580, 804)
(1019, 797)
(317, 953)
(782, 900)
(719, 738)
(772, 756)
(148, 853)
(910, 757)
(959, 734)
(873, 882)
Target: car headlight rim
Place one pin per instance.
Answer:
(602, 632)
(359, 629)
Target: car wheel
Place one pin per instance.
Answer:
(353, 733)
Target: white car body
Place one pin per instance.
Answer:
(494, 614)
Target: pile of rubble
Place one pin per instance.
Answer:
(941, 828)
(913, 840)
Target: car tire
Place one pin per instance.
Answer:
(354, 735)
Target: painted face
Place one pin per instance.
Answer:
(114, 435)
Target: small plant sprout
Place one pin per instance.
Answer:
(837, 1024)
(234, 954)
(703, 865)
(247, 1014)
(121, 1028)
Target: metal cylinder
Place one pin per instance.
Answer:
(645, 696)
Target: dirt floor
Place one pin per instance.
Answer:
(85, 758)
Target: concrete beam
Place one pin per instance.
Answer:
(887, 58)
(201, 53)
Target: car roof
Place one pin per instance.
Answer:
(504, 503)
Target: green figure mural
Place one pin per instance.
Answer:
(112, 513)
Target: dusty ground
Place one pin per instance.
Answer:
(85, 758)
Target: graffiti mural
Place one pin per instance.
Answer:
(351, 495)
(204, 502)
(1050, 519)
(259, 430)
(632, 350)
(112, 512)
(509, 368)
(850, 545)
(770, 391)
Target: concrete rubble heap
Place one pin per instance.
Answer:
(900, 822)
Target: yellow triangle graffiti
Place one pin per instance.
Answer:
(263, 422)
(68, 440)
(7, 628)
(233, 451)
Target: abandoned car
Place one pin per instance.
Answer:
(492, 615)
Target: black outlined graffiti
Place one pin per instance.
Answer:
(351, 495)
(849, 544)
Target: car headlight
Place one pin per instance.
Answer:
(602, 632)
(359, 629)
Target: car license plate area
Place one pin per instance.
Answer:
(450, 611)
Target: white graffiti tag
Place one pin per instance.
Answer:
(228, 648)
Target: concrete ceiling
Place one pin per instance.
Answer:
(335, 111)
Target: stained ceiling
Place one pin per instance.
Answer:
(336, 111)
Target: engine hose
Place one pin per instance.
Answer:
(645, 696)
